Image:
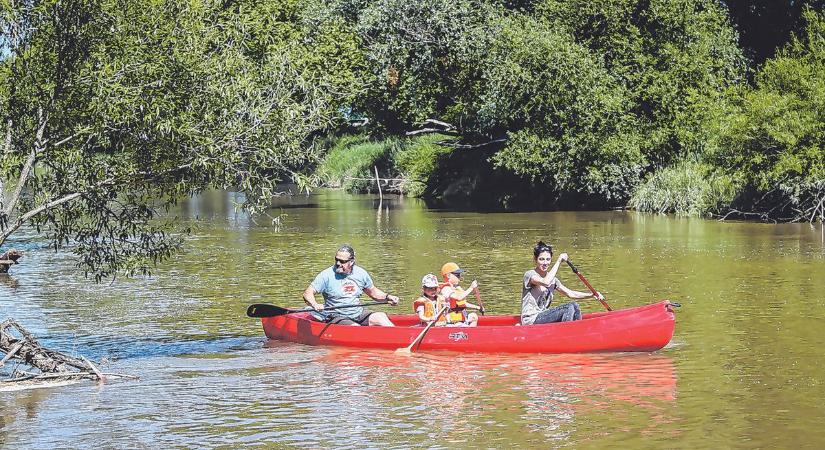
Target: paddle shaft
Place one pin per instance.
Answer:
(382, 302)
(478, 298)
(587, 283)
(268, 310)
(420, 336)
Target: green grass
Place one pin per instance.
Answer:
(352, 157)
(686, 189)
(417, 160)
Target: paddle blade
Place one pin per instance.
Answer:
(266, 310)
(403, 351)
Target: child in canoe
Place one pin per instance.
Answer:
(457, 297)
(430, 302)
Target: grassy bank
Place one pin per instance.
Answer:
(408, 163)
(687, 189)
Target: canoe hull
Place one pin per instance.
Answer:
(641, 329)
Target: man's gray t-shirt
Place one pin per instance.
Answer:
(534, 299)
(341, 289)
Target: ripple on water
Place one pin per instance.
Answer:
(742, 367)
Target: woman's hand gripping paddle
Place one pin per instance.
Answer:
(598, 296)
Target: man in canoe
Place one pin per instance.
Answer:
(341, 285)
(537, 291)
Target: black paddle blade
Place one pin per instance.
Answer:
(266, 310)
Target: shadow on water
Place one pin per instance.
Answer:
(120, 348)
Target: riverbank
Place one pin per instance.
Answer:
(443, 172)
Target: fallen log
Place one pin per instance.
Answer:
(8, 258)
(54, 367)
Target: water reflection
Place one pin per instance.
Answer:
(745, 353)
(9, 281)
(543, 393)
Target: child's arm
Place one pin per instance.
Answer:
(473, 286)
(421, 316)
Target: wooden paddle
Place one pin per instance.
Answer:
(478, 299)
(584, 280)
(407, 351)
(268, 310)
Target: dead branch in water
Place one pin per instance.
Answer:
(52, 367)
(8, 258)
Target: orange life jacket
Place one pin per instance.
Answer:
(457, 311)
(431, 307)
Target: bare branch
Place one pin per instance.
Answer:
(63, 141)
(430, 130)
(445, 125)
(24, 174)
(466, 146)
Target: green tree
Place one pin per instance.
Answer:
(771, 140)
(568, 119)
(590, 95)
(112, 110)
(423, 58)
(675, 58)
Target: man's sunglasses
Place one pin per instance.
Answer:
(342, 261)
(458, 274)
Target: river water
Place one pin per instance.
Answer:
(744, 368)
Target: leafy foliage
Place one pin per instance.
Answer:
(423, 57)
(772, 139)
(590, 95)
(417, 160)
(673, 58)
(569, 118)
(112, 110)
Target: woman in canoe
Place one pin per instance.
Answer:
(537, 291)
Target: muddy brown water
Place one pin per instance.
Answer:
(744, 368)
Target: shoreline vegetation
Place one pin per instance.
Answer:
(713, 144)
(111, 112)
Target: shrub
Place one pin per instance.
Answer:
(350, 158)
(687, 189)
(417, 160)
(773, 139)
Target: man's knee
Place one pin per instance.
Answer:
(378, 318)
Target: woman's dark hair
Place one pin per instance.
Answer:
(540, 248)
(347, 248)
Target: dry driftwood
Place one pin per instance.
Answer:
(8, 258)
(52, 367)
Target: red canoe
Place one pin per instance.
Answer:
(640, 329)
